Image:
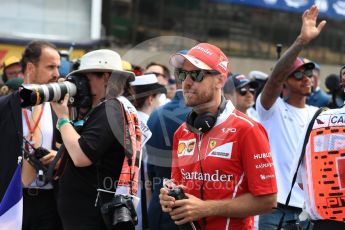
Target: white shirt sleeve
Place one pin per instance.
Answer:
(264, 114)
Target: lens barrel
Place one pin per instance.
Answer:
(34, 94)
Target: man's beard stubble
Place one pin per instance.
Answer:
(201, 101)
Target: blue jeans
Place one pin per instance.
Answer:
(270, 221)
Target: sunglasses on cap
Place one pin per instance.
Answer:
(244, 91)
(298, 75)
(195, 75)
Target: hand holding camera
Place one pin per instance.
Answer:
(47, 159)
(61, 108)
(34, 155)
(178, 194)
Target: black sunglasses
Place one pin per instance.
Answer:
(244, 91)
(196, 75)
(298, 75)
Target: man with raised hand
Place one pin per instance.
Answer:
(286, 119)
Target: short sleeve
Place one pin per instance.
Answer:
(264, 114)
(257, 161)
(96, 136)
(175, 172)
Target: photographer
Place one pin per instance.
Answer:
(40, 63)
(95, 153)
(220, 156)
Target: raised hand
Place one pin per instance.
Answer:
(309, 29)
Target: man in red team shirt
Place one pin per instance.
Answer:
(221, 157)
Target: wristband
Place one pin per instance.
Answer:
(61, 122)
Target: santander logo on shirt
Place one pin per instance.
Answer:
(214, 177)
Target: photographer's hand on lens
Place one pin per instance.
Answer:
(188, 210)
(61, 109)
(61, 79)
(309, 30)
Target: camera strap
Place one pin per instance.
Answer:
(50, 172)
(128, 180)
(306, 138)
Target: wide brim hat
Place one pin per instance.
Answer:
(258, 75)
(147, 85)
(102, 60)
(147, 90)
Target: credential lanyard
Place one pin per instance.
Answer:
(36, 123)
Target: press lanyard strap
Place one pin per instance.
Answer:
(36, 123)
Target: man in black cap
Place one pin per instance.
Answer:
(240, 90)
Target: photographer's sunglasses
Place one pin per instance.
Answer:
(244, 91)
(196, 75)
(298, 75)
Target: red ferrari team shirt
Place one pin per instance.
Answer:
(231, 159)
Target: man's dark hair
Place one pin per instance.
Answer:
(33, 51)
(166, 71)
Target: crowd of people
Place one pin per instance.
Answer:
(202, 147)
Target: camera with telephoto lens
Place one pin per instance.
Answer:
(33, 156)
(178, 194)
(40, 152)
(119, 213)
(77, 86)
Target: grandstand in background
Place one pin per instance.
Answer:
(240, 30)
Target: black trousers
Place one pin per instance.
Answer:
(328, 225)
(40, 210)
